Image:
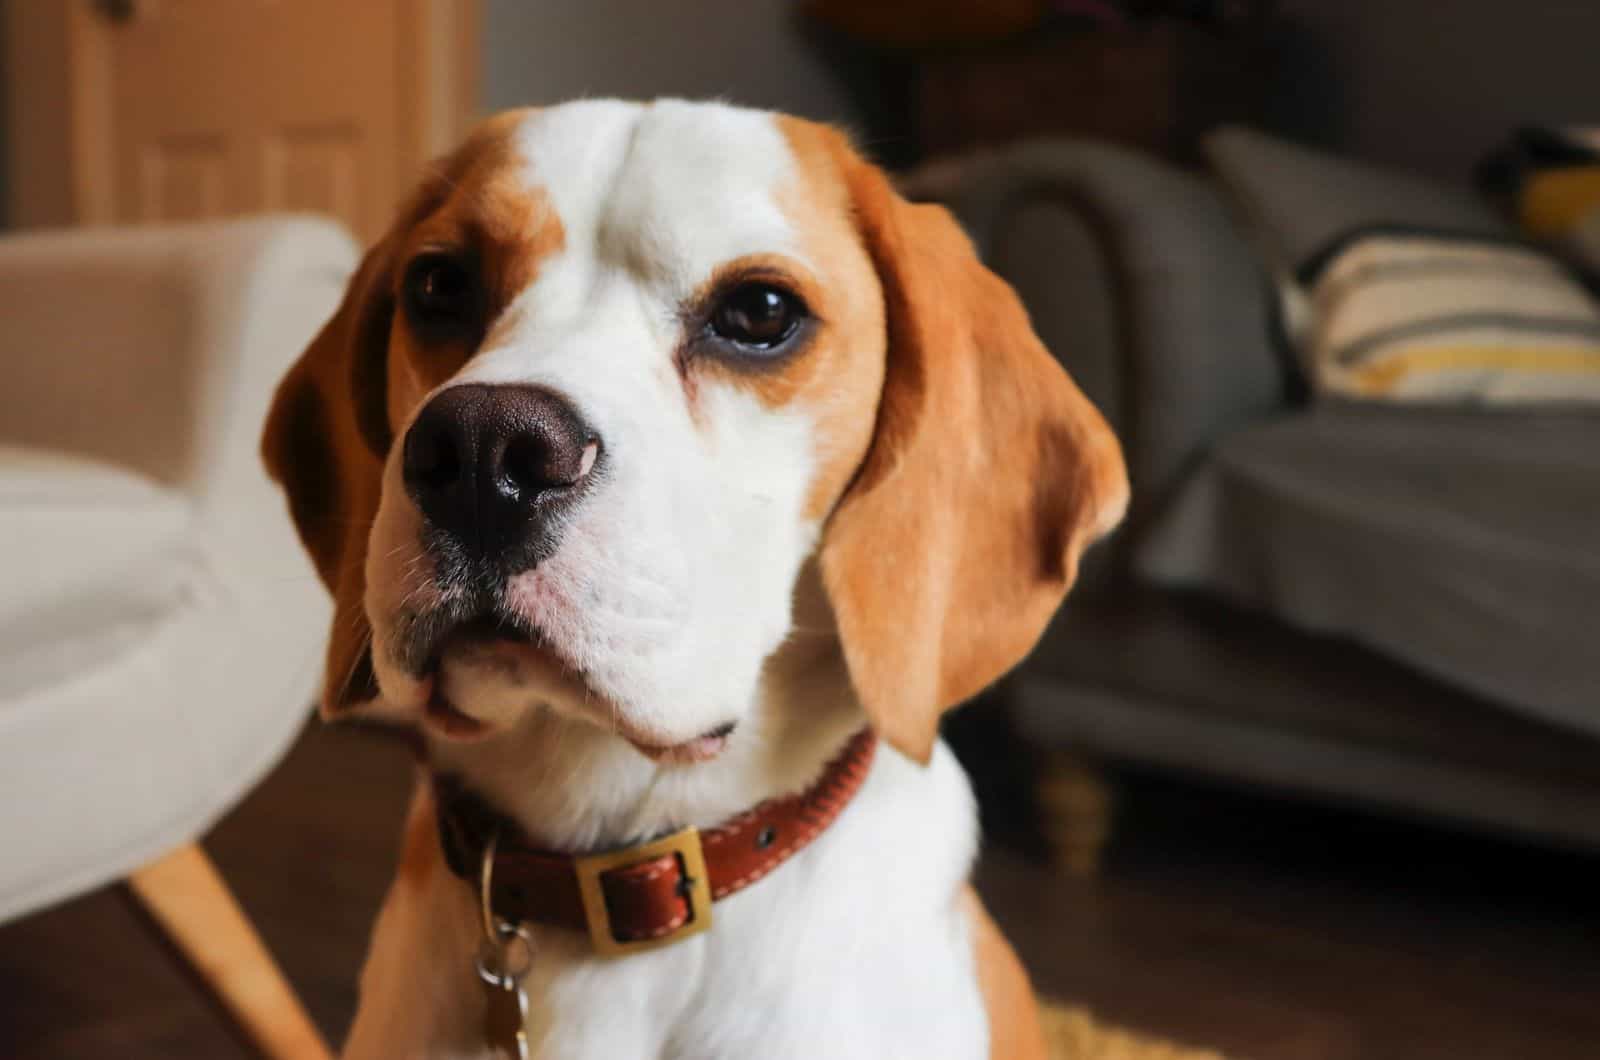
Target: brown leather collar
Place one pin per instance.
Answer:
(648, 895)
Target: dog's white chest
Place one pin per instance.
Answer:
(857, 946)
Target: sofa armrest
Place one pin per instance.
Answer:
(158, 349)
(1136, 280)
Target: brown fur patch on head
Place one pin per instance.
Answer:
(987, 474)
(836, 374)
(773, 382)
(484, 211)
(333, 418)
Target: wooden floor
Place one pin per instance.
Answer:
(1271, 931)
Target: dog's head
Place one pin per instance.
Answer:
(618, 375)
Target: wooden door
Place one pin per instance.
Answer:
(137, 111)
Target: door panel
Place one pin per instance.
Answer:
(313, 167)
(231, 106)
(180, 178)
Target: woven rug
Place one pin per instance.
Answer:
(1074, 1034)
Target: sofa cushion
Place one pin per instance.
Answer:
(1298, 201)
(95, 555)
(143, 684)
(1297, 204)
(1459, 541)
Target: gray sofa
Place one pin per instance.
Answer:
(1391, 607)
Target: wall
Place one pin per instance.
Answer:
(1433, 84)
(748, 51)
(1428, 84)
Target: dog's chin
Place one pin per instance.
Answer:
(485, 686)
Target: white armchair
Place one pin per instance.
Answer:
(160, 631)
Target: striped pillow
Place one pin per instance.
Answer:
(1428, 318)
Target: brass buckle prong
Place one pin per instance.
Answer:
(696, 890)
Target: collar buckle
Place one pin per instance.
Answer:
(695, 889)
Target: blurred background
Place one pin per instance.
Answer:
(1308, 768)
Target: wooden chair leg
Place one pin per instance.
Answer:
(1076, 806)
(189, 900)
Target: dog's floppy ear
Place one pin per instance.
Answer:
(988, 474)
(325, 439)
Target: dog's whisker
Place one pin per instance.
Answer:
(355, 662)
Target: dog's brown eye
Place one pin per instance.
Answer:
(757, 315)
(439, 290)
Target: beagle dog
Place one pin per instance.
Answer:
(672, 474)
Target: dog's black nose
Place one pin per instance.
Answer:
(490, 466)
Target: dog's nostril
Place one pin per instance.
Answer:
(523, 467)
(432, 458)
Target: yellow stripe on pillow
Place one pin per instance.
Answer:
(1390, 372)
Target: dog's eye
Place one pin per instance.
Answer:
(757, 315)
(439, 290)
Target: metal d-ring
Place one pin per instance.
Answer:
(491, 923)
(501, 938)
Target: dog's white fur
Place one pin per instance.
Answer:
(682, 588)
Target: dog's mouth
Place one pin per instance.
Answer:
(484, 672)
(480, 670)
(490, 628)
(443, 716)
(702, 748)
